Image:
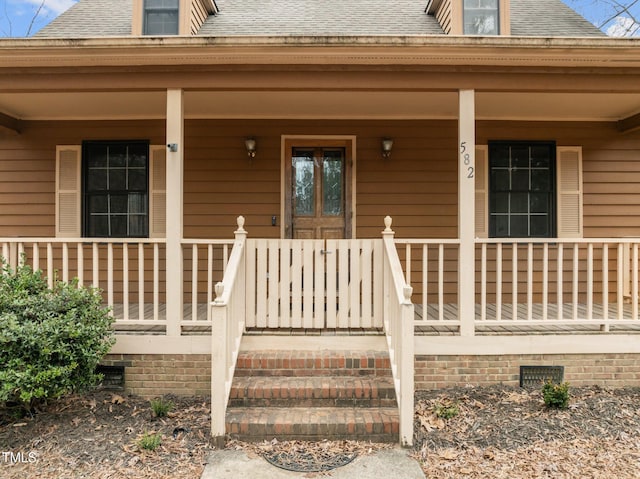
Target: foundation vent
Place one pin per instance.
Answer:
(535, 376)
(113, 377)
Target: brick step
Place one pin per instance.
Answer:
(312, 391)
(313, 363)
(302, 423)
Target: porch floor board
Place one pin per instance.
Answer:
(432, 324)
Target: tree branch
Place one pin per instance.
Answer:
(35, 16)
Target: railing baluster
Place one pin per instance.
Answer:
(125, 281)
(621, 282)
(634, 286)
(605, 284)
(425, 281)
(407, 249)
(514, 280)
(483, 282)
(210, 279)
(194, 282)
(545, 281)
(80, 264)
(441, 282)
(65, 262)
(574, 291)
(95, 275)
(110, 275)
(590, 281)
(529, 281)
(560, 263)
(50, 272)
(274, 292)
(498, 281)
(141, 281)
(156, 281)
(36, 255)
(5, 251)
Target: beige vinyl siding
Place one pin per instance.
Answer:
(417, 186)
(443, 15)
(198, 15)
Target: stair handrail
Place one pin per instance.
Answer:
(227, 328)
(398, 314)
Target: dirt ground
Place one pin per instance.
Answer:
(498, 432)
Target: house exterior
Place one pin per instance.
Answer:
(501, 138)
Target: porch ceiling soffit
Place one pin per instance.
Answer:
(339, 105)
(372, 50)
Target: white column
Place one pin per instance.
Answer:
(175, 174)
(466, 210)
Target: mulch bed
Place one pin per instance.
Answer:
(498, 432)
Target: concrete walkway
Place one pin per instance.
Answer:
(384, 464)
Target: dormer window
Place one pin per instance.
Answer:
(161, 17)
(481, 17)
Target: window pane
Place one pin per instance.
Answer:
(137, 203)
(520, 180)
(137, 179)
(161, 23)
(117, 179)
(304, 191)
(539, 202)
(332, 184)
(500, 156)
(519, 202)
(540, 226)
(480, 22)
(540, 157)
(137, 225)
(99, 226)
(97, 179)
(99, 203)
(501, 179)
(519, 227)
(500, 203)
(119, 204)
(119, 226)
(96, 156)
(540, 180)
(117, 156)
(501, 226)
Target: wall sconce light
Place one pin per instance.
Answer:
(250, 144)
(387, 146)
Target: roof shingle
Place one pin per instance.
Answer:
(99, 18)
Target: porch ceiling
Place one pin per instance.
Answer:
(375, 105)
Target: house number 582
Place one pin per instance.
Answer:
(466, 159)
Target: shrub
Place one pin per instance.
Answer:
(447, 410)
(150, 441)
(161, 407)
(51, 340)
(556, 395)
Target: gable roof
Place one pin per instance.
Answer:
(100, 18)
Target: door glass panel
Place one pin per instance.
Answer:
(303, 179)
(332, 181)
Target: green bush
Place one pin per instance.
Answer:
(556, 395)
(150, 441)
(161, 407)
(446, 409)
(51, 340)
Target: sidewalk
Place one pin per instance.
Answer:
(384, 464)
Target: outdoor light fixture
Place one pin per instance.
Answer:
(250, 144)
(387, 145)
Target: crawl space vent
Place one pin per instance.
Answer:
(113, 377)
(535, 376)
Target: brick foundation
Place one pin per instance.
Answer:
(150, 375)
(607, 370)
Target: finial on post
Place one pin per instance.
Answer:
(219, 289)
(240, 232)
(387, 226)
(407, 291)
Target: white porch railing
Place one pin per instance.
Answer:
(398, 326)
(228, 320)
(127, 270)
(559, 281)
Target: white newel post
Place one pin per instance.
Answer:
(466, 210)
(175, 169)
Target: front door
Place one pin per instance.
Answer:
(318, 182)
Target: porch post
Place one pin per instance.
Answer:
(175, 169)
(466, 211)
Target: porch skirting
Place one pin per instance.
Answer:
(151, 375)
